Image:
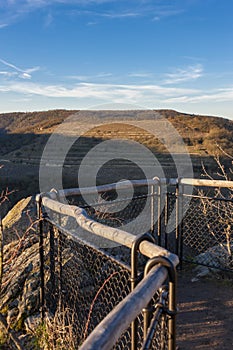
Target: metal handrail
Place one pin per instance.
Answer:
(114, 234)
(118, 320)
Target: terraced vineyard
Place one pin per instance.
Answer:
(23, 137)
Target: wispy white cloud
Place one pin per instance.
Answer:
(48, 20)
(216, 95)
(168, 12)
(3, 25)
(144, 95)
(113, 92)
(86, 78)
(117, 14)
(183, 75)
(140, 75)
(7, 74)
(123, 14)
(13, 10)
(21, 73)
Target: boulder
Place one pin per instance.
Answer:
(217, 256)
(19, 219)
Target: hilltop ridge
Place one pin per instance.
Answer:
(201, 133)
(23, 137)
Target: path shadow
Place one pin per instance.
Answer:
(205, 313)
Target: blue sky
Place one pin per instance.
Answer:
(75, 54)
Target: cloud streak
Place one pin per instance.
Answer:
(140, 75)
(113, 92)
(15, 10)
(21, 73)
(3, 25)
(184, 75)
(120, 93)
(218, 95)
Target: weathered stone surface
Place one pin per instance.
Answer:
(219, 256)
(19, 297)
(20, 292)
(18, 219)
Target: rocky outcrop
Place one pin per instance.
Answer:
(20, 290)
(19, 219)
(218, 256)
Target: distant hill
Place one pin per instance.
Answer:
(24, 135)
(32, 122)
(201, 134)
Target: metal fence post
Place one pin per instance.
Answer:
(166, 216)
(177, 219)
(159, 214)
(52, 259)
(41, 253)
(152, 221)
(134, 279)
(59, 254)
(172, 310)
(181, 224)
(179, 216)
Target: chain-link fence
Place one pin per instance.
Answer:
(83, 284)
(205, 233)
(87, 254)
(119, 207)
(194, 221)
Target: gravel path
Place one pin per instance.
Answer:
(205, 319)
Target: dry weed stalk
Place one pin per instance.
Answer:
(57, 332)
(93, 304)
(221, 206)
(4, 196)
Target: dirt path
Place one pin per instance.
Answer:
(205, 319)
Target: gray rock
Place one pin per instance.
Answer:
(18, 219)
(216, 256)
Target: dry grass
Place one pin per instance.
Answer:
(56, 332)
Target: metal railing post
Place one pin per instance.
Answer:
(159, 215)
(41, 253)
(166, 216)
(152, 213)
(179, 217)
(181, 225)
(135, 279)
(59, 252)
(52, 259)
(172, 310)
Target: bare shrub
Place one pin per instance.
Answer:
(221, 206)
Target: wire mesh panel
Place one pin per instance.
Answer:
(206, 231)
(157, 333)
(122, 208)
(82, 282)
(86, 275)
(83, 285)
